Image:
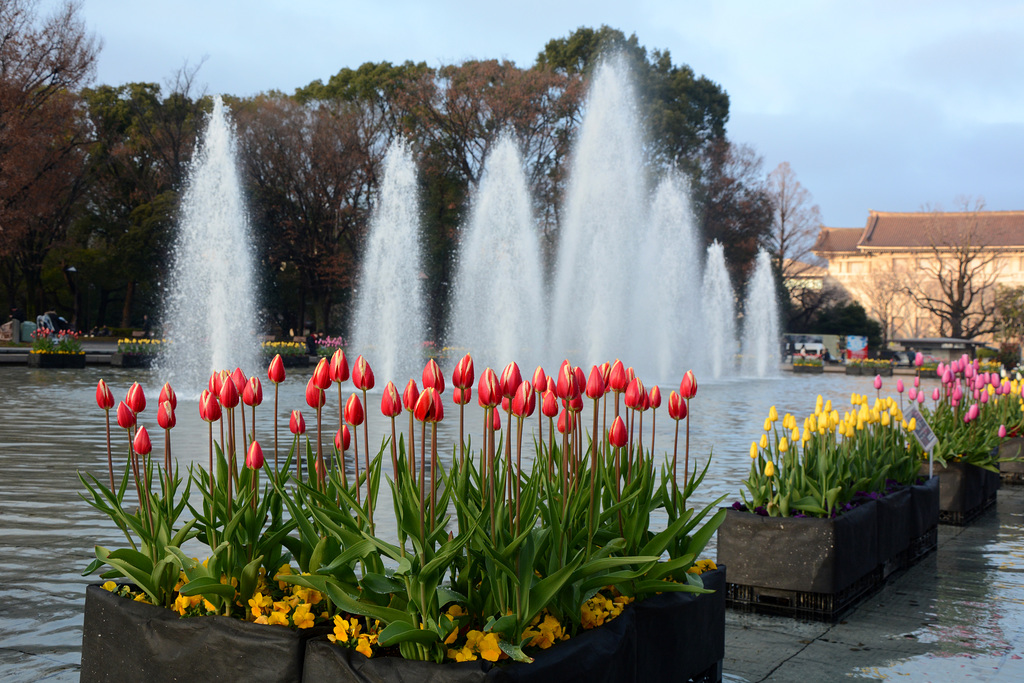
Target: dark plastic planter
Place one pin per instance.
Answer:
(853, 370)
(925, 507)
(290, 361)
(1012, 472)
(894, 521)
(965, 491)
(808, 369)
(56, 360)
(132, 360)
(123, 640)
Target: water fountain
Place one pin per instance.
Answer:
(498, 308)
(761, 321)
(388, 327)
(210, 310)
(719, 314)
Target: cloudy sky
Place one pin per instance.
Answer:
(875, 104)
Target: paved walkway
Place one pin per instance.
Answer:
(957, 615)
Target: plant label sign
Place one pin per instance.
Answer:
(922, 432)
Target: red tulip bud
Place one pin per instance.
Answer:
(322, 375)
(362, 375)
(463, 375)
(104, 399)
(551, 385)
(510, 380)
(654, 397)
(410, 395)
(566, 387)
(252, 395)
(342, 439)
(424, 411)
(238, 378)
(254, 457)
(505, 404)
(136, 399)
(688, 387)
(549, 404)
(433, 377)
(209, 408)
(296, 424)
(167, 394)
(630, 374)
(228, 394)
(617, 433)
(315, 396)
(676, 406)
(390, 402)
(606, 373)
(438, 406)
(634, 394)
(576, 403)
(216, 381)
(488, 391)
(566, 422)
(339, 366)
(461, 397)
(354, 410)
(125, 416)
(525, 401)
(617, 377)
(496, 420)
(165, 415)
(595, 383)
(540, 380)
(142, 444)
(276, 373)
(581, 378)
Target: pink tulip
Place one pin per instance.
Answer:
(920, 397)
(899, 386)
(912, 394)
(1002, 431)
(918, 359)
(935, 394)
(878, 382)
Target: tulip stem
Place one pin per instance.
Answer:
(675, 468)
(489, 464)
(355, 454)
(320, 473)
(433, 474)
(686, 458)
(462, 438)
(341, 426)
(412, 448)
(394, 451)
(519, 467)
(423, 474)
(110, 457)
(276, 466)
(366, 447)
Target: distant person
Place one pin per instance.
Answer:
(311, 343)
(826, 356)
(146, 325)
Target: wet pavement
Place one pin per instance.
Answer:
(958, 615)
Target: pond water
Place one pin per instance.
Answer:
(50, 429)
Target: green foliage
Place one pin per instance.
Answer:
(847, 318)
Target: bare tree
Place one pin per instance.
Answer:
(796, 222)
(959, 276)
(884, 293)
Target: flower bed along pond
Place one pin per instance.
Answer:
(56, 350)
(493, 564)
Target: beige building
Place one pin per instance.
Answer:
(901, 264)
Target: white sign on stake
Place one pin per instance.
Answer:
(922, 432)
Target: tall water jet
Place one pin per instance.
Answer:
(719, 314)
(605, 222)
(497, 310)
(761, 321)
(210, 311)
(388, 328)
(667, 285)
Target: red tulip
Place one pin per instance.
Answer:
(635, 393)
(688, 387)
(424, 411)
(216, 381)
(617, 433)
(165, 415)
(549, 404)
(315, 396)
(630, 374)
(676, 406)
(167, 394)
(252, 395)
(581, 378)
(125, 416)
(617, 377)
(342, 439)
(463, 375)
(510, 380)
(595, 383)
(104, 399)
(296, 423)
(496, 420)
(540, 379)
(566, 422)
(488, 390)
(645, 402)
(410, 395)
(322, 375)
(390, 402)
(505, 404)
(136, 399)
(461, 397)
(354, 410)
(142, 444)
(438, 406)
(606, 373)
(228, 394)
(238, 378)
(339, 366)
(254, 457)
(276, 373)
(654, 397)
(362, 375)
(576, 403)
(525, 401)
(566, 387)
(551, 385)
(209, 407)
(433, 377)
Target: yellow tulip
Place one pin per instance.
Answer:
(764, 441)
(773, 414)
(885, 419)
(828, 406)
(769, 469)
(753, 449)
(795, 435)
(783, 445)
(767, 424)
(913, 424)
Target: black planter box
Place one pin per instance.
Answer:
(676, 635)
(808, 369)
(292, 361)
(1012, 472)
(924, 518)
(853, 370)
(132, 360)
(123, 640)
(965, 491)
(56, 360)
(894, 522)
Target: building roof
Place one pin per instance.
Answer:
(832, 240)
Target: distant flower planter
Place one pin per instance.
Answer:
(123, 640)
(56, 360)
(293, 360)
(884, 370)
(965, 492)
(132, 360)
(808, 369)
(853, 370)
(1012, 472)
(681, 633)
